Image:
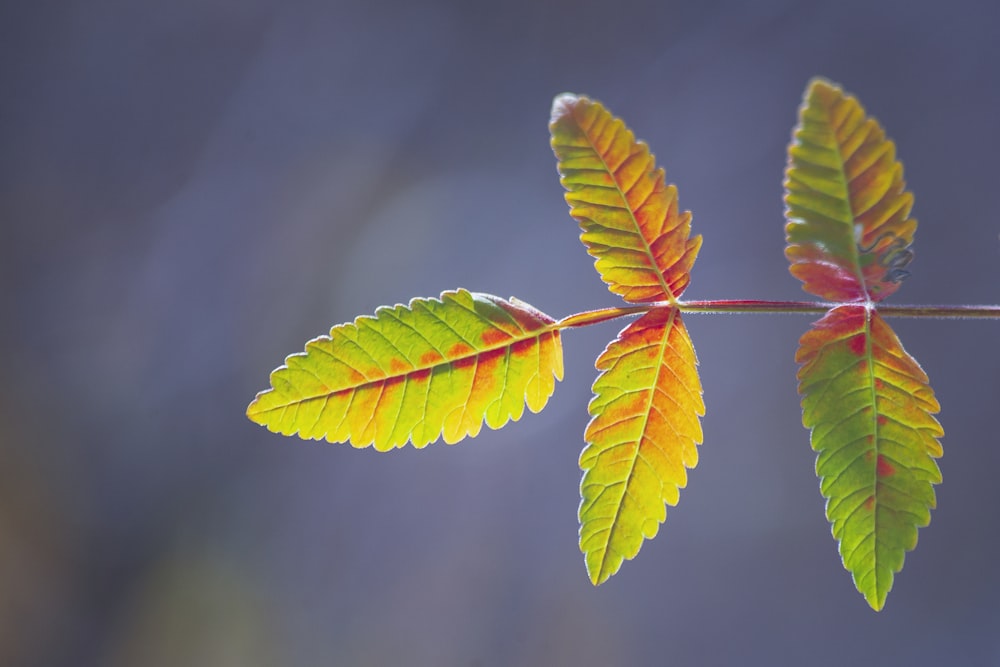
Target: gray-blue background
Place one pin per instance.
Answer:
(190, 190)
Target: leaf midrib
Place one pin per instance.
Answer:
(536, 335)
(667, 328)
(845, 182)
(870, 361)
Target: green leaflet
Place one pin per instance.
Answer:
(849, 229)
(417, 372)
(866, 401)
(869, 406)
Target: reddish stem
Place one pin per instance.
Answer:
(587, 318)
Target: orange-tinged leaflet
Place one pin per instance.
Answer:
(641, 439)
(629, 215)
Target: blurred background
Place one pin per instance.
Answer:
(191, 190)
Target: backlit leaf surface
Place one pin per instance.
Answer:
(870, 409)
(849, 229)
(629, 215)
(641, 439)
(414, 373)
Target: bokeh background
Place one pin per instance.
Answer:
(190, 190)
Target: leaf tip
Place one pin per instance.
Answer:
(599, 569)
(876, 598)
(821, 86)
(253, 410)
(563, 105)
(822, 83)
(823, 93)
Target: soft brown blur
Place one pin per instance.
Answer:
(190, 190)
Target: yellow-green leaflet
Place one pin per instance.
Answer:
(433, 368)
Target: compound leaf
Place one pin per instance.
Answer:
(870, 409)
(417, 372)
(629, 215)
(849, 229)
(641, 438)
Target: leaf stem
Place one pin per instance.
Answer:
(982, 312)
(943, 312)
(755, 306)
(590, 317)
(586, 318)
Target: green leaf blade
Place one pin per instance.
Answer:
(848, 226)
(642, 438)
(629, 215)
(870, 410)
(434, 368)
